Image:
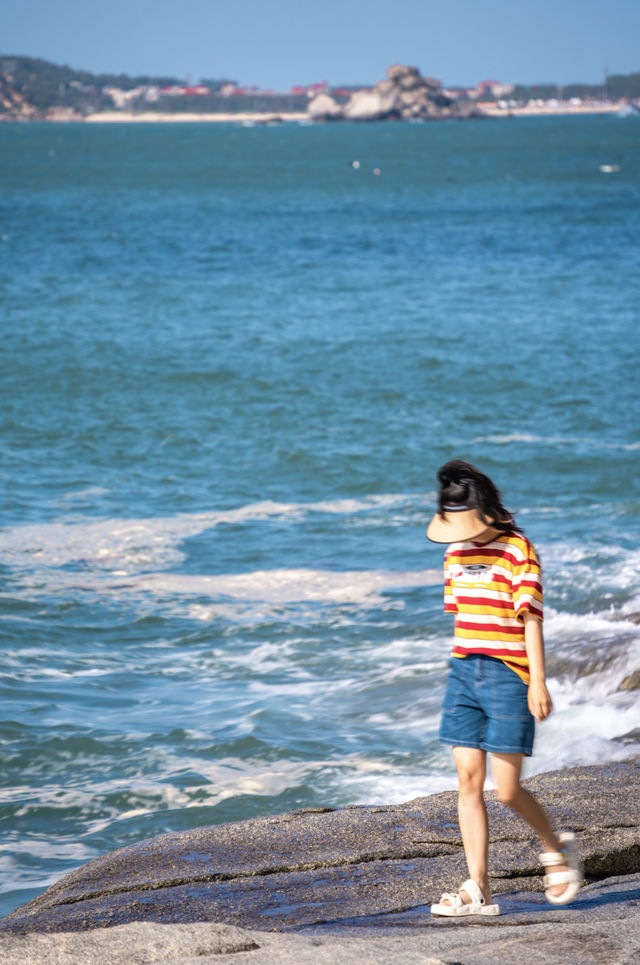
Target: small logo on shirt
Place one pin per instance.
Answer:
(473, 573)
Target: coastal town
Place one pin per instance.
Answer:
(32, 89)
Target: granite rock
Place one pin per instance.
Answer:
(138, 943)
(314, 866)
(602, 926)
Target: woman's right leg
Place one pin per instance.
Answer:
(471, 763)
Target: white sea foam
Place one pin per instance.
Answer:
(281, 586)
(236, 596)
(583, 732)
(398, 785)
(145, 542)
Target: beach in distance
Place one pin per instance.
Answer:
(258, 117)
(234, 358)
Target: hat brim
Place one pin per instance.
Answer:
(455, 527)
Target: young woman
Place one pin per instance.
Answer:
(497, 684)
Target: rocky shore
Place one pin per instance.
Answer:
(349, 884)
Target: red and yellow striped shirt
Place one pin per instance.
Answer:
(489, 587)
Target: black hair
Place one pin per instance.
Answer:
(461, 484)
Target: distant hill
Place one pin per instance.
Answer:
(34, 88)
(40, 85)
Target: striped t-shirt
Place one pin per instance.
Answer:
(489, 587)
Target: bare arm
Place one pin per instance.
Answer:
(539, 700)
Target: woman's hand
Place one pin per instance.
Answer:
(539, 700)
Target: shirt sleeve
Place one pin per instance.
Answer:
(527, 585)
(450, 605)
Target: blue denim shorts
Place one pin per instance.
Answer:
(485, 706)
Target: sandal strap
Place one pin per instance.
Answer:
(474, 892)
(471, 888)
(562, 878)
(549, 858)
(455, 901)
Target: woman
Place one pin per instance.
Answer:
(497, 686)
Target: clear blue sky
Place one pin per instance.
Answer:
(277, 43)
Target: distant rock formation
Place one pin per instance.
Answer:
(404, 95)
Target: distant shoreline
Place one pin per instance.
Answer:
(547, 110)
(490, 110)
(154, 117)
(247, 118)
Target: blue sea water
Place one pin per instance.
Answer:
(232, 363)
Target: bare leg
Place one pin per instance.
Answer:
(506, 770)
(472, 812)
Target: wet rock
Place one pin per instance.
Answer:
(632, 682)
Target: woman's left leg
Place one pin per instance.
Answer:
(506, 770)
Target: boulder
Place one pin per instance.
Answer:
(370, 105)
(432, 83)
(398, 72)
(324, 108)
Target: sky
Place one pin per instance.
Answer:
(280, 43)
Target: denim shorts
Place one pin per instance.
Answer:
(485, 706)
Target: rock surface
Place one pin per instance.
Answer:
(602, 926)
(373, 866)
(404, 95)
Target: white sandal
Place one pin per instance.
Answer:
(457, 907)
(571, 878)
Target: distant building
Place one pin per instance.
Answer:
(492, 88)
(198, 91)
(173, 91)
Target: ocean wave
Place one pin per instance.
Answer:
(561, 624)
(592, 443)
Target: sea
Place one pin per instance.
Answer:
(233, 359)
